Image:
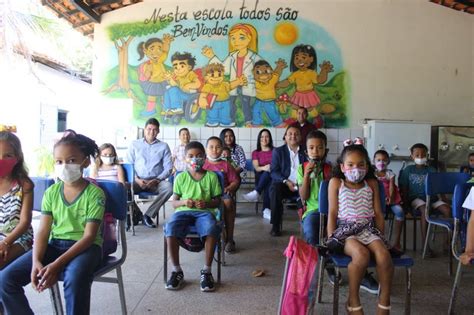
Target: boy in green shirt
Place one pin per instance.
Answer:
(196, 196)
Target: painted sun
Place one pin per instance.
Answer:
(286, 33)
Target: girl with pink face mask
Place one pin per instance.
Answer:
(392, 199)
(356, 223)
(16, 200)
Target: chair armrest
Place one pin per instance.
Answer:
(456, 241)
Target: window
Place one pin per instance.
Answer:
(62, 120)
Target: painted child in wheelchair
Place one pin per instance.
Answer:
(356, 224)
(196, 196)
(412, 184)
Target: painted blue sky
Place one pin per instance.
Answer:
(310, 33)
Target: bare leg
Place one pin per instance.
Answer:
(209, 245)
(398, 233)
(173, 250)
(424, 225)
(360, 259)
(229, 219)
(384, 268)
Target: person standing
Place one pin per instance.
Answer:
(305, 126)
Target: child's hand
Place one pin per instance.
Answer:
(242, 80)
(4, 248)
(227, 190)
(281, 64)
(48, 276)
(309, 168)
(466, 258)
(326, 66)
(201, 204)
(34, 274)
(167, 38)
(168, 75)
(189, 203)
(208, 52)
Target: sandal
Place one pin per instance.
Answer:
(351, 309)
(383, 307)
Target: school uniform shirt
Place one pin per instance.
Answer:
(469, 202)
(413, 178)
(207, 188)
(312, 204)
(70, 219)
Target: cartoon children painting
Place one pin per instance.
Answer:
(151, 73)
(215, 95)
(265, 81)
(183, 83)
(303, 66)
(240, 61)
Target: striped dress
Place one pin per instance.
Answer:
(10, 208)
(356, 208)
(111, 174)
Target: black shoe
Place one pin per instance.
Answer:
(207, 282)
(369, 284)
(175, 281)
(148, 221)
(332, 276)
(275, 232)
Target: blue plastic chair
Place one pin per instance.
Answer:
(116, 204)
(461, 217)
(129, 176)
(41, 184)
(440, 183)
(342, 261)
(193, 234)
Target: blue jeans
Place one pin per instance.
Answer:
(267, 107)
(175, 98)
(181, 221)
(245, 101)
(311, 228)
(398, 212)
(219, 113)
(77, 276)
(263, 181)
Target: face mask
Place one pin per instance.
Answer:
(420, 161)
(107, 160)
(196, 164)
(68, 173)
(6, 166)
(216, 159)
(355, 175)
(380, 165)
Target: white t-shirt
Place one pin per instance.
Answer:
(295, 162)
(469, 202)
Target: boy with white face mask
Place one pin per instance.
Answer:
(106, 165)
(412, 184)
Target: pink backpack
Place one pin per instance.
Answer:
(109, 235)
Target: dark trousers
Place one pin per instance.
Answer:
(262, 185)
(278, 192)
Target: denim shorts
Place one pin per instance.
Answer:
(181, 222)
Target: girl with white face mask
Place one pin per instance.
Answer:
(106, 165)
(68, 241)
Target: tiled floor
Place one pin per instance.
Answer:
(240, 293)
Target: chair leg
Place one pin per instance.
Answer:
(123, 304)
(450, 253)
(390, 228)
(283, 285)
(414, 233)
(408, 293)
(405, 235)
(433, 234)
(427, 240)
(131, 211)
(165, 259)
(219, 261)
(319, 292)
(335, 297)
(56, 302)
(457, 280)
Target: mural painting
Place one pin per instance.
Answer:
(250, 66)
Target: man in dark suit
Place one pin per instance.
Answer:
(285, 162)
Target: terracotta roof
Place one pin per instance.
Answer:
(83, 14)
(460, 5)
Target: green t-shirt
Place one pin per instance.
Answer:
(207, 188)
(69, 220)
(312, 204)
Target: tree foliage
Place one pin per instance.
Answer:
(135, 29)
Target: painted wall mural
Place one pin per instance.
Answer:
(249, 66)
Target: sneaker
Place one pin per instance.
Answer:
(178, 111)
(230, 247)
(252, 196)
(332, 276)
(208, 124)
(267, 214)
(369, 284)
(232, 124)
(175, 281)
(207, 282)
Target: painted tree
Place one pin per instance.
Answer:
(122, 35)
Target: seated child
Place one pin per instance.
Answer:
(356, 223)
(470, 167)
(392, 195)
(231, 183)
(68, 241)
(178, 155)
(16, 195)
(107, 166)
(196, 197)
(412, 184)
(227, 156)
(468, 256)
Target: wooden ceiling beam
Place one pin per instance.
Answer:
(84, 8)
